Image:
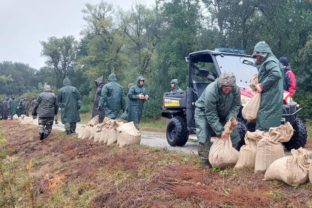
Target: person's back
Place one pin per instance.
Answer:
(46, 108)
(112, 101)
(70, 103)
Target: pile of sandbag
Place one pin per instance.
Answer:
(128, 134)
(293, 169)
(110, 132)
(247, 153)
(25, 119)
(221, 153)
(88, 131)
(270, 147)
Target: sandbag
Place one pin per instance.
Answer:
(250, 110)
(26, 120)
(103, 137)
(269, 148)
(127, 134)
(293, 169)
(111, 132)
(81, 132)
(15, 117)
(94, 121)
(247, 153)
(86, 132)
(221, 153)
(97, 133)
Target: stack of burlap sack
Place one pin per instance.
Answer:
(261, 149)
(23, 119)
(110, 132)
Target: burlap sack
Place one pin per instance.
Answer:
(81, 132)
(269, 148)
(26, 120)
(247, 153)
(111, 132)
(127, 134)
(221, 153)
(250, 110)
(293, 169)
(94, 121)
(103, 137)
(97, 133)
(87, 132)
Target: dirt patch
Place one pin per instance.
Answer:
(68, 172)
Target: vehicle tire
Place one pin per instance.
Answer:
(242, 129)
(177, 134)
(299, 138)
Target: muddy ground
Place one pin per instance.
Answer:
(63, 171)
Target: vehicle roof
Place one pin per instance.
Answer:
(211, 52)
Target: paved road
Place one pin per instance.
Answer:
(150, 138)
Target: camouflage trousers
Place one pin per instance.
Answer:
(70, 128)
(45, 126)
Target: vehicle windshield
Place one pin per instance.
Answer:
(241, 66)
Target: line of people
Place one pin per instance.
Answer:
(10, 107)
(109, 102)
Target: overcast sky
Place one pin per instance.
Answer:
(24, 23)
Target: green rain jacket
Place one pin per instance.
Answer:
(135, 104)
(12, 106)
(69, 102)
(270, 78)
(219, 107)
(176, 83)
(46, 105)
(112, 100)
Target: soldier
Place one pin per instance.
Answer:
(5, 109)
(137, 97)
(174, 84)
(70, 103)
(219, 102)
(46, 108)
(99, 82)
(112, 101)
(270, 86)
(12, 106)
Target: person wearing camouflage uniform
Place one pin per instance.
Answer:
(219, 102)
(99, 82)
(46, 108)
(137, 96)
(70, 102)
(112, 101)
(270, 78)
(174, 84)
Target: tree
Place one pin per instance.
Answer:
(60, 54)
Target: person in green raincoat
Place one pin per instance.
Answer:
(112, 100)
(137, 97)
(270, 78)
(12, 107)
(219, 102)
(70, 102)
(174, 84)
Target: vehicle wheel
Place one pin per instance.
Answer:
(177, 134)
(242, 129)
(299, 138)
